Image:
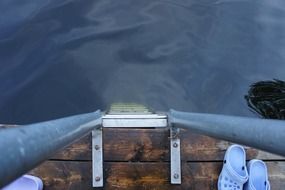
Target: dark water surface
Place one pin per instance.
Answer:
(59, 58)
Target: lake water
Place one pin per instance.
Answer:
(65, 57)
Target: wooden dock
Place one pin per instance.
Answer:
(139, 159)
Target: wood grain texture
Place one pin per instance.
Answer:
(67, 175)
(153, 145)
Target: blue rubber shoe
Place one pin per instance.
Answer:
(26, 182)
(258, 176)
(234, 173)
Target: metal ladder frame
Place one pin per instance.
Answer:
(128, 121)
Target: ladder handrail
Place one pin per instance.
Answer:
(263, 134)
(24, 147)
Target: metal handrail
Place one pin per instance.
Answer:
(263, 134)
(23, 148)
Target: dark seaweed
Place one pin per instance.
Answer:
(267, 98)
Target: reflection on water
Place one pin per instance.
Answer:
(267, 98)
(66, 57)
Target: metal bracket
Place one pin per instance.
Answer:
(175, 161)
(97, 157)
(134, 121)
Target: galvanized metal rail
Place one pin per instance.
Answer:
(263, 134)
(23, 148)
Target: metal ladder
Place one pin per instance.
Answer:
(133, 116)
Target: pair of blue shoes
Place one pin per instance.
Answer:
(236, 175)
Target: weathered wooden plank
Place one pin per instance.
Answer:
(153, 145)
(58, 175)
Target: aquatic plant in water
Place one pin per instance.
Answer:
(267, 98)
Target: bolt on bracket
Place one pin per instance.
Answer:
(97, 157)
(175, 161)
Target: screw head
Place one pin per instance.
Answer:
(97, 147)
(176, 176)
(175, 145)
(97, 178)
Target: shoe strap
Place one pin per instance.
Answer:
(234, 175)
